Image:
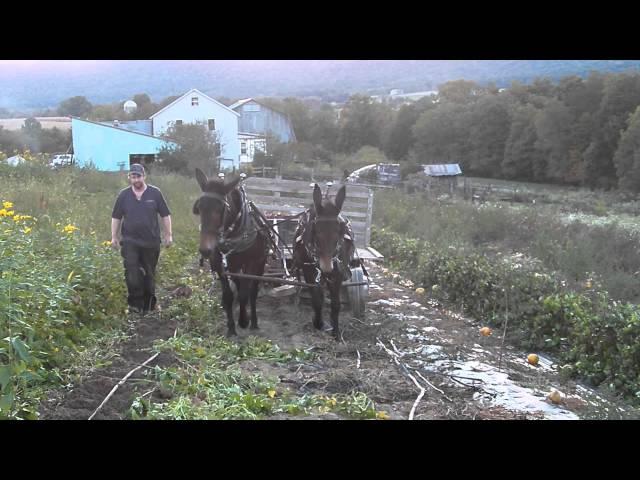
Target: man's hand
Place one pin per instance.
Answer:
(115, 243)
(168, 240)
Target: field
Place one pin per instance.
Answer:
(67, 339)
(63, 123)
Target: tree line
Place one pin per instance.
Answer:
(576, 131)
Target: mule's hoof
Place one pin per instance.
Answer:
(254, 327)
(243, 324)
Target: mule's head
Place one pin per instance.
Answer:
(211, 207)
(327, 227)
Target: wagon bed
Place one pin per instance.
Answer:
(279, 199)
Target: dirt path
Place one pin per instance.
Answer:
(440, 349)
(80, 402)
(432, 344)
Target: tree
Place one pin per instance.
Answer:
(198, 147)
(554, 125)
(145, 107)
(621, 96)
(75, 107)
(521, 154)
(400, 139)
(490, 124)
(32, 126)
(324, 128)
(627, 157)
(459, 91)
(362, 123)
(441, 135)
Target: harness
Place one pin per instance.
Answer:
(241, 232)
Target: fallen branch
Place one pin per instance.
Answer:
(121, 382)
(415, 404)
(358, 363)
(150, 391)
(394, 356)
(433, 386)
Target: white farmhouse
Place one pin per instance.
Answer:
(196, 107)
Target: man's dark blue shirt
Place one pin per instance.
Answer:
(140, 224)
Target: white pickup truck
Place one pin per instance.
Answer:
(61, 160)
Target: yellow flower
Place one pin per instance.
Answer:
(27, 230)
(4, 213)
(332, 401)
(382, 416)
(70, 228)
(271, 393)
(7, 204)
(106, 243)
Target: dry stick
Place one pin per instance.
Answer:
(150, 391)
(113, 390)
(433, 386)
(394, 356)
(504, 333)
(358, 363)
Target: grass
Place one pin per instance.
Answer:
(573, 250)
(63, 303)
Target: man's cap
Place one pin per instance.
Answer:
(136, 168)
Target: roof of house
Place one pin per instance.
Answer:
(133, 132)
(239, 103)
(194, 90)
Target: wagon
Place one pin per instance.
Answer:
(280, 203)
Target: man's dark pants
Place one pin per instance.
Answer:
(140, 275)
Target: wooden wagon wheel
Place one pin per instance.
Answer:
(358, 294)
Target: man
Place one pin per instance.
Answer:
(136, 210)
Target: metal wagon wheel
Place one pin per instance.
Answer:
(358, 294)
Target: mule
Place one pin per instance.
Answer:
(323, 250)
(231, 240)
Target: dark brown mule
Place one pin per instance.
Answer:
(323, 250)
(231, 241)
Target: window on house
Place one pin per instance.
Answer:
(194, 101)
(243, 148)
(178, 122)
(212, 124)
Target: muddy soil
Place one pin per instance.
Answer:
(410, 355)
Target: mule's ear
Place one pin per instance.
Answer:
(201, 178)
(317, 197)
(231, 185)
(342, 193)
(196, 207)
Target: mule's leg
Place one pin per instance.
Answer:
(243, 299)
(254, 286)
(317, 296)
(258, 269)
(227, 303)
(335, 303)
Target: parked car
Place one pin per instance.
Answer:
(382, 173)
(61, 160)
